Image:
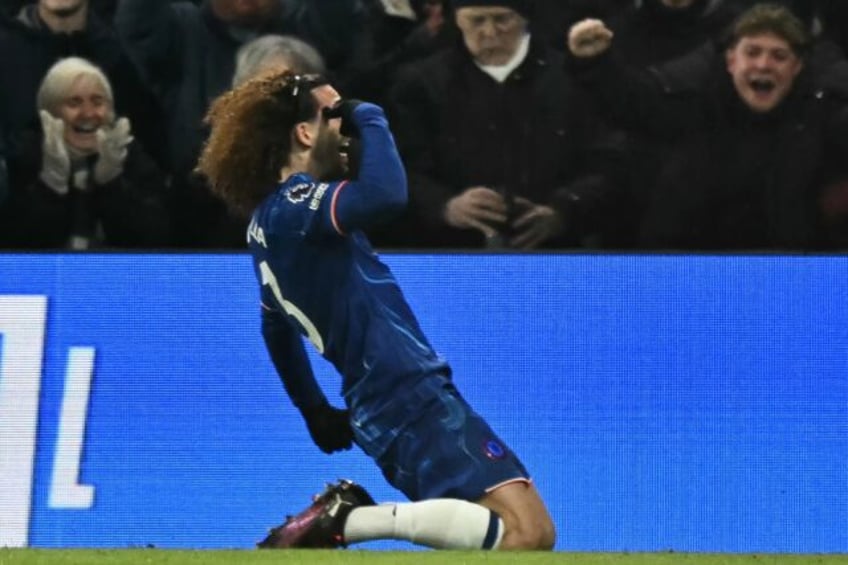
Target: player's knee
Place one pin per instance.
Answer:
(536, 535)
(548, 536)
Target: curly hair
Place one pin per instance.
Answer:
(250, 138)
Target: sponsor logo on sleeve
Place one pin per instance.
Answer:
(319, 194)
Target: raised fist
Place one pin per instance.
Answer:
(589, 38)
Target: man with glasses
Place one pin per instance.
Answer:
(276, 151)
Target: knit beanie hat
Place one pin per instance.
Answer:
(523, 7)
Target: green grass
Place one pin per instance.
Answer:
(354, 557)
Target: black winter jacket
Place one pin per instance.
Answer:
(532, 136)
(734, 180)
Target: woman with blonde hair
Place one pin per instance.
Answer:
(83, 181)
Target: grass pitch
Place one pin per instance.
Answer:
(354, 557)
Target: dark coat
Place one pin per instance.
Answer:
(531, 136)
(648, 33)
(834, 17)
(385, 45)
(747, 181)
(28, 50)
(652, 33)
(4, 176)
(188, 55)
(133, 210)
(733, 179)
(551, 18)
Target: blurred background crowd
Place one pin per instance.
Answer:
(680, 133)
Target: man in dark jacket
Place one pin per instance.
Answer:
(500, 149)
(649, 33)
(758, 132)
(43, 32)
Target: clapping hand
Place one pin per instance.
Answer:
(112, 142)
(55, 161)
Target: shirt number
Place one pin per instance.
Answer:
(292, 310)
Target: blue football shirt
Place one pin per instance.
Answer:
(332, 287)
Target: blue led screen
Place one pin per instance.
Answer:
(686, 403)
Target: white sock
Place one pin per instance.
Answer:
(442, 523)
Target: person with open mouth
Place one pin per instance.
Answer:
(83, 181)
(758, 131)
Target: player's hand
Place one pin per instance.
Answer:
(479, 207)
(534, 225)
(344, 109)
(329, 427)
(589, 38)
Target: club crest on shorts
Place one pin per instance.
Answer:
(494, 449)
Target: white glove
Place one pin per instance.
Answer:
(112, 142)
(55, 161)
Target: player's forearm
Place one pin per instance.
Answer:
(288, 355)
(381, 167)
(380, 191)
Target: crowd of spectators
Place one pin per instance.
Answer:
(523, 124)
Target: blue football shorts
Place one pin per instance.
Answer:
(445, 449)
